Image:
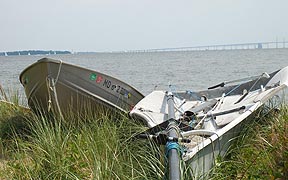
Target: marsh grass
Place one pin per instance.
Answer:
(261, 151)
(87, 146)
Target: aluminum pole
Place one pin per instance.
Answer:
(173, 154)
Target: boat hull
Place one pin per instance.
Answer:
(215, 117)
(51, 85)
(204, 156)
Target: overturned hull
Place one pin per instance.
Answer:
(52, 85)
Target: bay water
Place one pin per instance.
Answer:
(146, 71)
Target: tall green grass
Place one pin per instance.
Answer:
(260, 152)
(99, 147)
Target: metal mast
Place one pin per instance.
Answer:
(172, 148)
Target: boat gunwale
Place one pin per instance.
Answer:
(220, 132)
(49, 60)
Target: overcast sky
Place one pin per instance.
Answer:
(112, 25)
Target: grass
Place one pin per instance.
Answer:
(100, 146)
(261, 151)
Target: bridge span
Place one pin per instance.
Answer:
(256, 45)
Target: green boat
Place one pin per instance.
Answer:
(54, 86)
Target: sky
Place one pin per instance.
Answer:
(116, 25)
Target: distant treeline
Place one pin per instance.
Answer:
(32, 52)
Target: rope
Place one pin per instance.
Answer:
(173, 145)
(56, 100)
(176, 128)
(200, 122)
(169, 146)
(173, 89)
(213, 150)
(51, 87)
(59, 69)
(49, 94)
(233, 90)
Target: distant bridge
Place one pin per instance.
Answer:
(257, 45)
(33, 52)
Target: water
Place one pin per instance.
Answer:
(194, 70)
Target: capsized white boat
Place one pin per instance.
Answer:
(206, 120)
